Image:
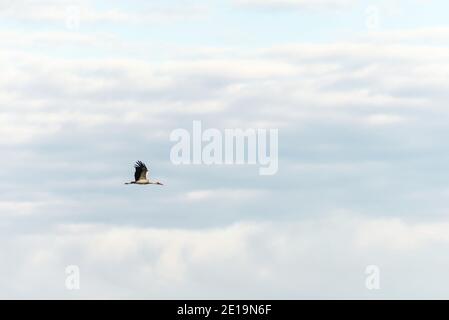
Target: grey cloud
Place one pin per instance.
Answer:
(265, 260)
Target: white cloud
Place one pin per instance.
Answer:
(233, 195)
(401, 236)
(437, 35)
(76, 14)
(299, 259)
(352, 83)
(384, 119)
(308, 4)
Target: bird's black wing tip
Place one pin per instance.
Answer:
(140, 164)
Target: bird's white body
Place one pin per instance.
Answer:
(148, 182)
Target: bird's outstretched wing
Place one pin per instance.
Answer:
(141, 171)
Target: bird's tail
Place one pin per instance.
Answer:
(132, 182)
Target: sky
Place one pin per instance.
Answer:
(358, 91)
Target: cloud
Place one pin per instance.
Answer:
(213, 195)
(299, 4)
(372, 87)
(74, 14)
(302, 259)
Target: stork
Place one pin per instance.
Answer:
(140, 176)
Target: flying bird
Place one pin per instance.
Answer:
(140, 176)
